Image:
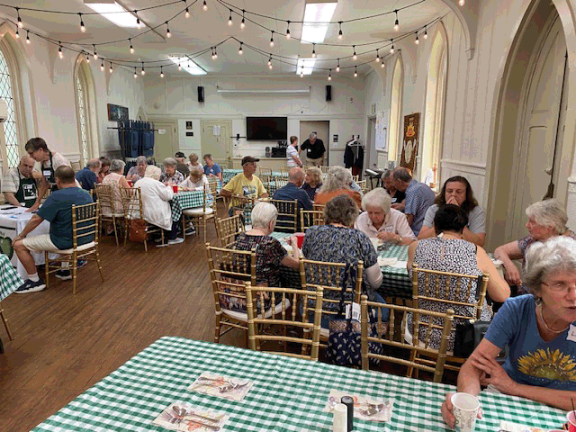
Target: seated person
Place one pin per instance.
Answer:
(117, 180)
(451, 253)
(20, 184)
(196, 181)
(312, 181)
(171, 176)
(88, 176)
(382, 222)
(546, 219)
(292, 192)
(104, 168)
(537, 329)
(457, 191)
(418, 197)
(137, 172)
(57, 209)
(212, 169)
(245, 184)
(193, 162)
(181, 166)
(156, 199)
(337, 183)
(398, 197)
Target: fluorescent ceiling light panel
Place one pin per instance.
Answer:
(188, 65)
(111, 10)
(308, 64)
(316, 18)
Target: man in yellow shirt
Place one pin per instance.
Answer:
(244, 186)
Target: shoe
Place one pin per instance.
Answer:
(64, 274)
(29, 286)
(159, 239)
(177, 240)
(190, 231)
(81, 263)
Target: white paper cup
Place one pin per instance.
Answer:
(465, 410)
(375, 242)
(340, 421)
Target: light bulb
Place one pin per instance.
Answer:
(28, 38)
(161, 72)
(242, 24)
(330, 75)
(179, 67)
(269, 61)
(143, 72)
(95, 53)
(462, 2)
(87, 57)
(355, 72)
(131, 48)
(187, 15)
(396, 23)
(354, 57)
(102, 66)
(111, 69)
(138, 23)
(392, 47)
(417, 41)
(240, 50)
(377, 57)
(17, 34)
(135, 74)
(20, 23)
(288, 30)
(338, 66)
(60, 53)
(425, 33)
(204, 6)
(270, 66)
(168, 34)
(340, 34)
(301, 74)
(382, 64)
(230, 18)
(272, 39)
(314, 51)
(82, 26)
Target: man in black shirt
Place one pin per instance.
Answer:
(315, 150)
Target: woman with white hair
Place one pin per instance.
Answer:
(337, 183)
(137, 172)
(546, 219)
(381, 221)
(171, 176)
(538, 329)
(196, 180)
(116, 180)
(270, 254)
(156, 199)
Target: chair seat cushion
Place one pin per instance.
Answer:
(79, 249)
(198, 211)
(243, 316)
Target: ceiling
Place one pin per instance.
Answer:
(204, 29)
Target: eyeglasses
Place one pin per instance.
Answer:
(560, 286)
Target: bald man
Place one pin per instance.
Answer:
(292, 192)
(20, 184)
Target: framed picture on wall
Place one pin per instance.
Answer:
(117, 112)
(411, 141)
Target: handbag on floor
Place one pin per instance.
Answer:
(137, 231)
(468, 336)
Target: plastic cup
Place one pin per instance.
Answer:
(465, 410)
(300, 239)
(571, 417)
(175, 188)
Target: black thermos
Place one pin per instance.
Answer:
(349, 402)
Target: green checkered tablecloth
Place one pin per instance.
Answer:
(185, 200)
(396, 282)
(9, 278)
(288, 395)
(228, 173)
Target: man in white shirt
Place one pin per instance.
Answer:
(19, 184)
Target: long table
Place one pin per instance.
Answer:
(288, 394)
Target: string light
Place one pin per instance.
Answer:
(87, 57)
(204, 6)
(131, 47)
(111, 69)
(270, 62)
(179, 67)
(17, 33)
(330, 75)
(102, 66)
(60, 53)
(142, 72)
(425, 32)
(161, 72)
(313, 50)
(138, 23)
(417, 41)
(243, 23)
(392, 47)
(377, 56)
(272, 39)
(135, 73)
(340, 35)
(354, 57)
(240, 50)
(168, 34)
(28, 37)
(288, 30)
(462, 2)
(82, 26)
(95, 53)
(230, 18)
(338, 67)
(396, 23)
(20, 23)
(215, 54)
(355, 71)
(382, 64)
(187, 11)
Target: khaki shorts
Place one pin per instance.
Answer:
(315, 162)
(39, 243)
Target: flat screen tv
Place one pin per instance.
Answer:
(266, 128)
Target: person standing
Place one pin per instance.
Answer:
(315, 150)
(418, 198)
(88, 176)
(19, 184)
(293, 159)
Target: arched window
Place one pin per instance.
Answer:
(434, 111)
(396, 109)
(85, 110)
(7, 94)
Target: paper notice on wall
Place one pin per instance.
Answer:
(216, 130)
(381, 132)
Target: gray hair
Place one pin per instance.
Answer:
(117, 165)
(316, 174)
(296, 174)
(544, 259)
(402, 174)
(25, 157)
(153, 172)
(549, 213)
(378, 198)
(341, 209)
(170, 162)
(93, 163)
(262, 214)
(141, 159)
(338, 178)
(387, 174)
(313, 135)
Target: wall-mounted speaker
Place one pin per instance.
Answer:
(200, 94)
(328, 93)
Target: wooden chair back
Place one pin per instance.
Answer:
(265, 172)
(285, 172)
(132, 203)
(310, 218)
(362, 185)
(383, 333)
(287, 220)
(214, 186)
(228, 229)
(85, 220)
(325, 169)
(289, 300)
(318, 207)
(280, 182)
(106, 198)
(356, 178)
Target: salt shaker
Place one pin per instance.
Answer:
(349, 402)
(340, 423)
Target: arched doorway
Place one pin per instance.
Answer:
(528, 159)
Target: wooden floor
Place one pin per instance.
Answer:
(64, 344)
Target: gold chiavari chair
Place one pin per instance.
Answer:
(109, 210)
(325, 169)
(264, 172)
(134, 210)
(287, 220)
(201, 215)
(280, 182)
(214, 184)
(445, 290)
(228, 228)
(356, 178)
(289, 300)
(284, 172)
(85, 236)
(5, 321)
(318, 207)
(310, 218)
(385, 335)
(362, 185)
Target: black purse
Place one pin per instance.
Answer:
(468, 336)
